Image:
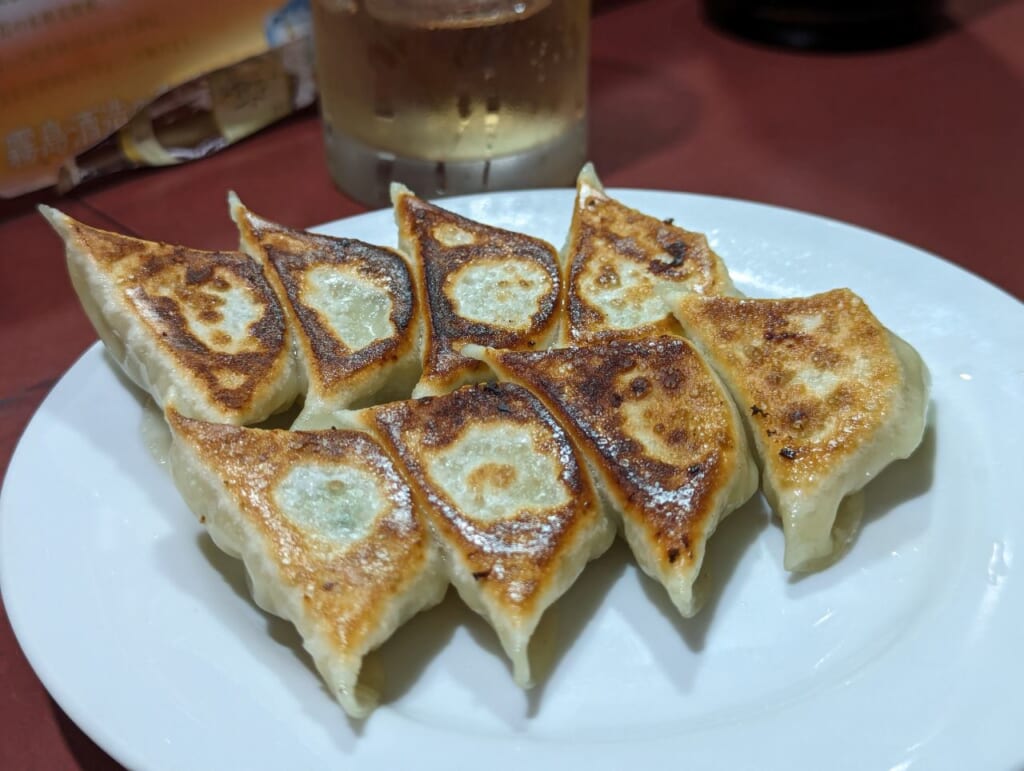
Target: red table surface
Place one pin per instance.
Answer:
(924, 143)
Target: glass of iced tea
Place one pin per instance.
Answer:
(452, 96)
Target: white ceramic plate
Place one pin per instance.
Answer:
(906, 653)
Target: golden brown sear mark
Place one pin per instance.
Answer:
(167, 284)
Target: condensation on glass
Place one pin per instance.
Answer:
(452, 96)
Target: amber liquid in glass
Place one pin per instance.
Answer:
(478, 96)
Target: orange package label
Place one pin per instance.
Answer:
(72, 72)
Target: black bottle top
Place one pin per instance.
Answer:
(828, 25)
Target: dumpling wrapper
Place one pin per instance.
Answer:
(352, 308)
(509, 502)
(830, 395)
(616, 257)
(662, 437)
(202, 331)
(478, 284)
(328, 532)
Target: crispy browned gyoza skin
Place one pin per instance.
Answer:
(203, 331)
(479, 284)
(615, 260)
(830, 395)
(352, 308)
(510, 503)
(327, 528)
(662, 435)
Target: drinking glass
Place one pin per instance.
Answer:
(452, 96)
